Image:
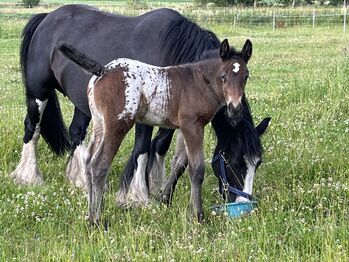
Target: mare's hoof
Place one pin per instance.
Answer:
(121, 197)
(21, 176)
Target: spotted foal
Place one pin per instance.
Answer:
(186, 97)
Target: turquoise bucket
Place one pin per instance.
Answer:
(236, 209)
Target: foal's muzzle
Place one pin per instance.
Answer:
(234, 113)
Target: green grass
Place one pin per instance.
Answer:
(299, 77)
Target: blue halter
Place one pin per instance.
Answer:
(223, 177)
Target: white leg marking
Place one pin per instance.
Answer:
(138, 191)
(75, 171)
(248, 185)
(41, 107)
(157, 174)
(27, 171)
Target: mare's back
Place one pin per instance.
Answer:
(100, 35)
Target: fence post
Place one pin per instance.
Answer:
(274, 20)
(234, 19)
(345, 20)
(314, 15)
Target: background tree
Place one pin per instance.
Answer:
(30, 3)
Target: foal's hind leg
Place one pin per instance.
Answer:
(75, 167)
(156, 163)
(104, 145)
(27, 171)
(178, 166)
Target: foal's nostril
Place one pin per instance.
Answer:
(234, 111)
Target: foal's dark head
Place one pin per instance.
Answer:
(233, 76)
(238, 152)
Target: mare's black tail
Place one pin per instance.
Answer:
(81, 59)
(27, 35)
(53, 129)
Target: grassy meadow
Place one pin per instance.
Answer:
(299, 77)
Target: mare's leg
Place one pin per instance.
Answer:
(193, 136)
(105, 142)
(156, 163)
(75, 167)
(133, 186)
(178, 166)
(27, 171)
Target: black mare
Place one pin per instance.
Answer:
(161, 37)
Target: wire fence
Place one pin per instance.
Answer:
(276, 20)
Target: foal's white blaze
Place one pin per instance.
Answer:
(250, 174)
(236, 67)
(138, 191)
(157, 174)
(148, 82)
(27, 171)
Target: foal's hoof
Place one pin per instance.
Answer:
(164, 199)
(200, 218)
(98, 224)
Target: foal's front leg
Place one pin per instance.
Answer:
(193, 136)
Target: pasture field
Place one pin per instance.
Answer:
(299, 77)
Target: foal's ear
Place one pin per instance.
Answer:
(246, 51)
(263, 126)
(224, 51)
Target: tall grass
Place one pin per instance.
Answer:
(299, 77)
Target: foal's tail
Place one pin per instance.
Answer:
(81, 59)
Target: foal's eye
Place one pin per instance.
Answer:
(223, 78)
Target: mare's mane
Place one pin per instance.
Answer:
(185, 42)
